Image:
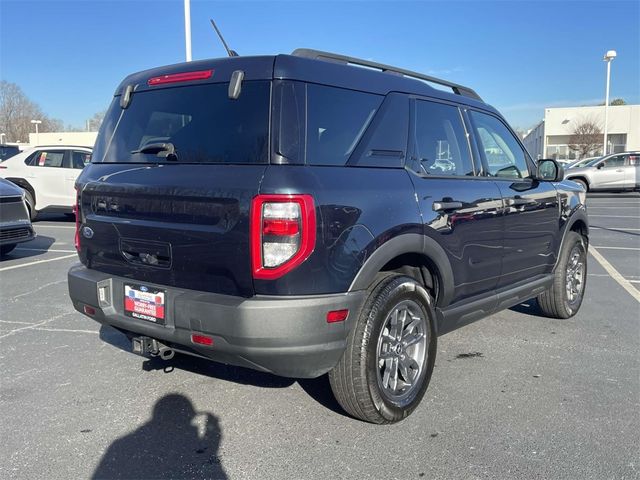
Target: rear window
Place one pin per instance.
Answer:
(200, 123)
(321, 125)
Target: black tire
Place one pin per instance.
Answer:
(582, 183)
(357, 381)
(31, 205)
(6, 249)
(557, 301)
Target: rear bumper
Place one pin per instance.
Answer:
(287, 336)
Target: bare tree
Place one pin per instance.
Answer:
(17, 111)
(95, 121)
(586, 137)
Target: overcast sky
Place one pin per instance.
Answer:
(519, 56)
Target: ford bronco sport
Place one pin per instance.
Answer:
(300, 214)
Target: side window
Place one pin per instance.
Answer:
(47, 158)
(80, 159)
(336, 120)
(440, 144)
(613, 162)
(634, 160)
(503, 154)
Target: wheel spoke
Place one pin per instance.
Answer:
(402, 320)
(409, 368)
(393, 381)
(412, 339)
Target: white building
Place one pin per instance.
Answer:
(78, 139)
(551, 137)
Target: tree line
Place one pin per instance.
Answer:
(17, 111)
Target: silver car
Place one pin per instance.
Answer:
(15, 225)
(618, 171)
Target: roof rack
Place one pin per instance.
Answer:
(335, 57)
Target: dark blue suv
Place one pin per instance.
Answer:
(311, 213)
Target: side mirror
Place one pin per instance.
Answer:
(601, 165)
(549, 170)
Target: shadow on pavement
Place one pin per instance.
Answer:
(317, 388)
(530, 307)
(178, 442)
(40, 245)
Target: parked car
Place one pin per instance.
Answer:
(15, 224)
(295, 214)
(8, 151)
(581, 163)
(47, 174)
(617, 171)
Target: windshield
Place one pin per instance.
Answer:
(191, 124)
(592, 162)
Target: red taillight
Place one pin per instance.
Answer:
(76, 211)
(283, 233)
(180, 77)
(89, 310)
(337, 316)
(202, 339)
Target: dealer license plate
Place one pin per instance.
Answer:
(144, 303)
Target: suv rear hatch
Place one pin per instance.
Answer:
(167, 197)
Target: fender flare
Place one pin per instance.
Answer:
(24, 184)
(408, 243)
(579, 214)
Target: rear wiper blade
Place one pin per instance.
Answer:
(165, 150)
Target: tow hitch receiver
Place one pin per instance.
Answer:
(144, 346)
(150, 347)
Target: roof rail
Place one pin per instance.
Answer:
(335, 57)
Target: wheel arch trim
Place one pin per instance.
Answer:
(403, 244)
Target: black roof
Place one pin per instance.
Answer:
(316, 70)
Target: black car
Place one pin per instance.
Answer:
(15, 224)
(301, 215)
(8, 151)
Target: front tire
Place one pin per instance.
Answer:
(387, 365)
(582, 183)
(31, 205)
(564, 297)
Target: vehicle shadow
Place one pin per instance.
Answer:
(317, 388)
(529, 307)
(177, 442)
(33, 248)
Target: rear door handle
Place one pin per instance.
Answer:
(444, 206)
(620, 171)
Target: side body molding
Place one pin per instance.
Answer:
(409, 243)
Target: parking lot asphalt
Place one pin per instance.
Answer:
(516, 395)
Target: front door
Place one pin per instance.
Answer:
(610, 173)
(531, 209)
(460, 211)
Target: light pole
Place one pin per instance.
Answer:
(608, 57)
(2, 137)
(36, 123)
(187, 28)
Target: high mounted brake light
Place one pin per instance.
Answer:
(180, 77)
(283, 233)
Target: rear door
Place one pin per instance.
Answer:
(531, 211)
(461, 211)
(75, 161)
(177, 215)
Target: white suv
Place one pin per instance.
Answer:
(47, 175)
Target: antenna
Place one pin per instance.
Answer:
(231, 53)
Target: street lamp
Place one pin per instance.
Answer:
(2, 137)
(187, 29)
(610, 55)
(36, 123)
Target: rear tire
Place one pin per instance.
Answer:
(387, 365)
(6, 249)
(564, 297)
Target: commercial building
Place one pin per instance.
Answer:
(80, 139)
(553, 135)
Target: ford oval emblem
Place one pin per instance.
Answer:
(143, 288)
(87, 232)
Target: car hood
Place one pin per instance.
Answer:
(8, 189)
(577, 170)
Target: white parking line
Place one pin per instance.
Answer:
(613, 216)
(623, 282)
(617, 248)
(45, 250)
(70, 227)
(13, 267)
(625, 229)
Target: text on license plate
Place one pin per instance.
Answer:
(144, 303)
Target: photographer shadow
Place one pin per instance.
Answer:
(178, 442)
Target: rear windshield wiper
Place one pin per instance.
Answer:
(165, 150)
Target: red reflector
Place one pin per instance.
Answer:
(337, 316)
(2, 166)
(280, 227)
(201, 339)
(180, 77)
(89, 310)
